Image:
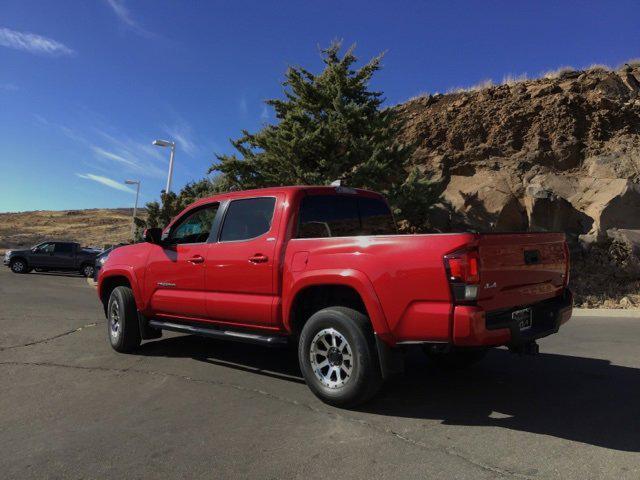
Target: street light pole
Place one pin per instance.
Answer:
(135, 206)
(170, 176)
(167, 143)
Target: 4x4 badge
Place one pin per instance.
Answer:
(490, 285)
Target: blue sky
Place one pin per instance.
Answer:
(85, 86)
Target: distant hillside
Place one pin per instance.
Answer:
(94, 227)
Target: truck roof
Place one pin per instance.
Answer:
(284, 189)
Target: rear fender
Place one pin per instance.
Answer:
(347, 277)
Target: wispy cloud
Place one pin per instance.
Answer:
(182, 134)
(264, 115)
(130, 155)
(124, 15)
(32, 43)
(106, 181)
(142, 158)
(66, 131)
(113, 156)
(8, 87)
(242, 105)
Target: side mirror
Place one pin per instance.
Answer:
(152, 235)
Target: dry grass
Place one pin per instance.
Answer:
(487, 83)
(632, 62)
(511, 79)
(558, 72)
(95, 227)
(598, 67)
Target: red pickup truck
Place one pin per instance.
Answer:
(324, 268)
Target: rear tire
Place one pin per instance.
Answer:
(338, 357)
(456, 359)
(123, 329)
(19, 266)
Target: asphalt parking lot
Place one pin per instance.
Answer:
(186, 407)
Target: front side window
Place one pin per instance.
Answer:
(344, 216)
(45, 248)
(247, 218)
(194, 227)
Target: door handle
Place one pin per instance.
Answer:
(196, 259)
(258, 258)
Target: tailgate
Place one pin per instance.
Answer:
(519, 269)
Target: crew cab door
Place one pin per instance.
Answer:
(42, 255)
(239, 280)
(175, 273)
(64, 256)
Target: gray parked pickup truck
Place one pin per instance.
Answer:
(60, 256)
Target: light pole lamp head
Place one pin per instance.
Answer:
(163, 143)
(132, 182)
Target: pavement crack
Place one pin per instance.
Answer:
(48, 339)
(377, 428)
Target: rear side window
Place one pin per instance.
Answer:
(344, 216)
(63, 248)
(247, 218)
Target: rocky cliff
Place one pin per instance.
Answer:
(557, 153)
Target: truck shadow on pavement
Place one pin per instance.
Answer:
(586, 400)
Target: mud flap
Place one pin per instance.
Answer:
(391, 359)
(147, 332)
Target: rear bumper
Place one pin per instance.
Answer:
(472, 326)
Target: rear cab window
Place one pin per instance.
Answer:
(65, 248)
(323, 216)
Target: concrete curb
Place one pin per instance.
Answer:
(606, 312)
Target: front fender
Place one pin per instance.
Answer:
(347, 277)
(127, 272)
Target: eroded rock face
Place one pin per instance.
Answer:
(557, 154)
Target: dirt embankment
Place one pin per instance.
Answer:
(94, 227)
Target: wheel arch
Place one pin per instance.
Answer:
(19, 257)
(318, 290)
(116, 278)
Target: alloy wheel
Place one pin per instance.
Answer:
(114, 321)
(331, 358)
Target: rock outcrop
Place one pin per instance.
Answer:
(546, 154)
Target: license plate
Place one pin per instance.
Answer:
(524, 318)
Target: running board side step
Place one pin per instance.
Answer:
(219, 333)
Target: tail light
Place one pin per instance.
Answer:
(567, 263)
(463, 273)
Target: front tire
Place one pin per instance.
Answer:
(123, 328)
(338, 357)
(19, 266)
(87, 270)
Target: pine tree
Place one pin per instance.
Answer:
(331, 126)
(159, 214)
